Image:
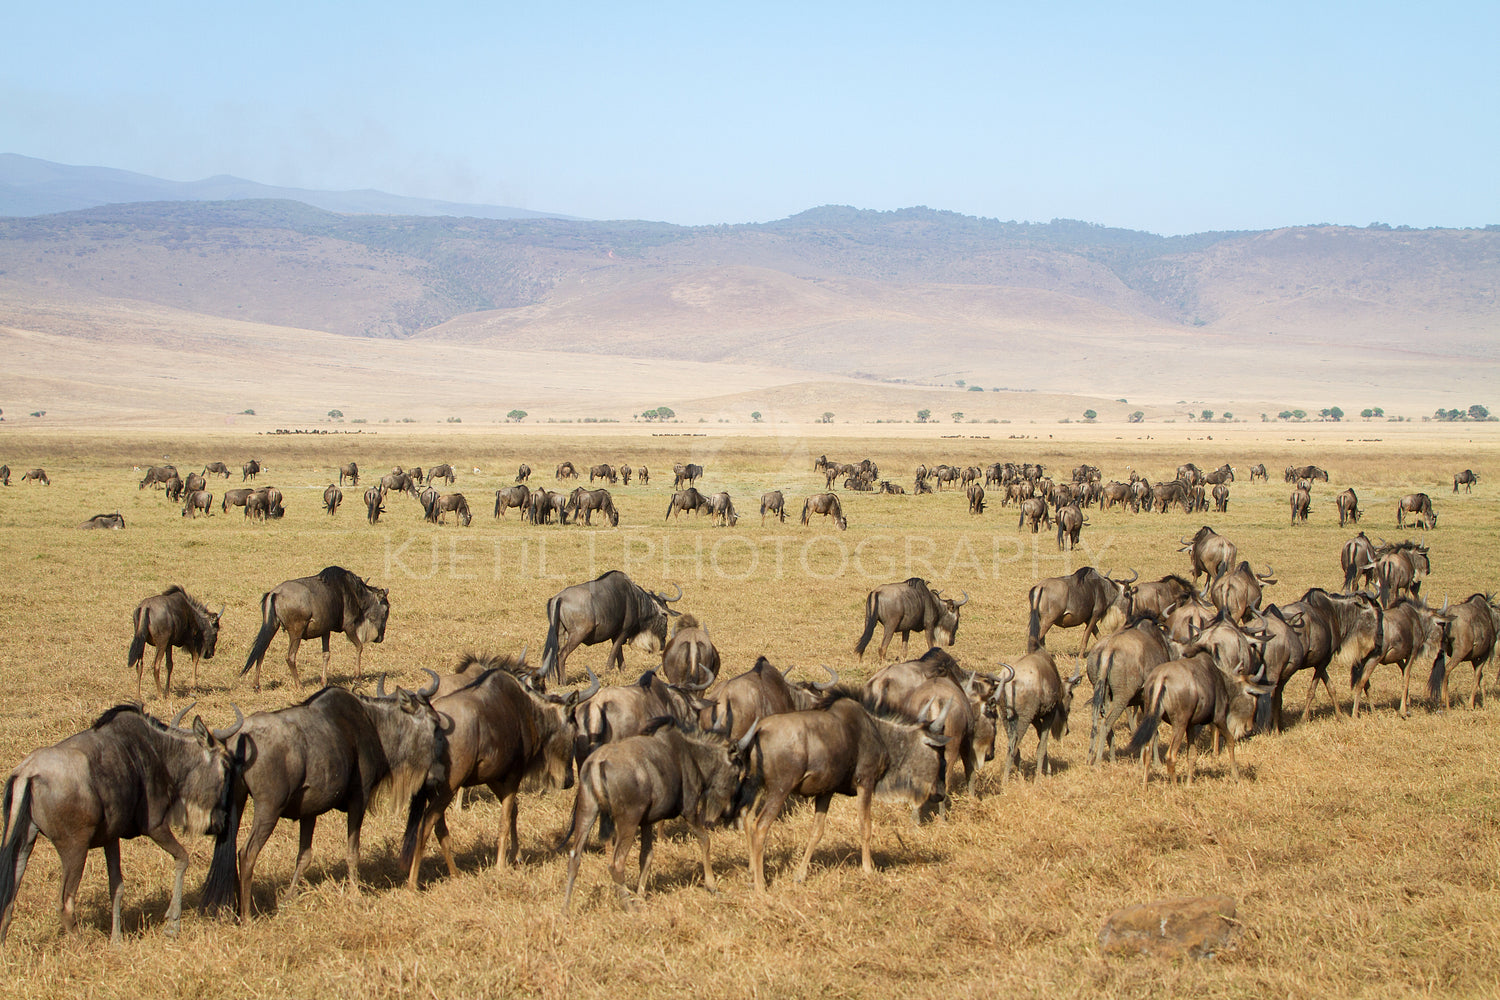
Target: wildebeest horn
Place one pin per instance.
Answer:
(669, 600)
(380, 686)
(969, 684)
(177, 719)
(593, 686)
(522, 661)
(833, 678)
(223, 735)
(744, 743)
(712, 676)
(431, 689)
(1269, 576)
(936, 725)
(964, 601)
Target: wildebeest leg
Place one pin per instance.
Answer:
(770, 808)
(445, 842)
(1041, 750)
(166, 690)
(1363, 684)
(1013, 746)
(356, 822)
(648, 842)
(72, 852)
(583, 822)
(327, 656)
(259, 834)
(708, 868)
(616, 654)
(116, 887)
(304, 856)
(164, 839)
(1234, 767)
(508, 849)
(866, 862)
(820, 818)
(294, 639)
(1405, 686)
(196, 659)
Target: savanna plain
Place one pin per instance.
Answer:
(1363, 855)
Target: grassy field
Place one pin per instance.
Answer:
(1364, 856)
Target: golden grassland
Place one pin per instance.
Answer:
(1363, 856)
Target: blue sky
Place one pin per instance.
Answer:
(1171, 118)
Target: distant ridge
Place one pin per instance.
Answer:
(29, 187)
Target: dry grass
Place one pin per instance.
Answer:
(1364, 856)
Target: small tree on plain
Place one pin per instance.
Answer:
(1206, 415)
(827, 417)
(335, 414)
(1137, 416)
(516, 416)
(755, 416)
(957, 415)
(923, 416)
(1089, 415)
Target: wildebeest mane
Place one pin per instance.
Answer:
(127, 707)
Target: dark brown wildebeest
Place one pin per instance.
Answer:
(523, 473)
(1140, 493)
(773, 503)
(664, 773)
(1070, 522)
(758, 692)
(314, 607)
(1223, 474)
(1409, 630)
(1467, 479)
(924, 485)
(612, 608)
(1191, 693)
(336, 750)
(689, 499)
(1034, 695)
(264, 504)
(126, 776)
(195, 481)
(234, 498)
(1336, 630)
(1034, 510)
(1301, 503)
(444, 472)
(839, 748)
(349, 472)
(721, 510)
(603, 471)
(1164, 495)
(500, 731)
(943, 701)
(1189, 474)
(1294, 473)
(160, 475)
(171, 618)
(216, 469)
(194, 502)
(4, 475)
(455, 503)
(398, 482)
(250, 470)
(1258, 471)
(1358, 559)
(113, 522)
(1348, 502)
(1284, 652)
(828, 505)
(1085, 597)
(909, 606)
(687, 474)
(584, 502)
(690, 656)
(1157, 596)
(545, 505)
(37, 476)
(1113, 493)
(1117, 668)
(512, 496)
(1469, 635)
(625, 474)
(175, 488)
(332, 497)
(1237, 591)
(1212, 554)
(374, 504)
(1221, 498)
(415, 473)
(613, 713)
(1400, 567)
(946, 475)
(894, 489)
(976, 498)
(859, 484)
(1419, 505)
(644, 475)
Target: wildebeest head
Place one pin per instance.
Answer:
(946, 630)
(653, 638)
(202, 805)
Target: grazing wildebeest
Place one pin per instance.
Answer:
(1223, 474)
(906, 607)
(566, 471)
(686, 474)
(828, 505)
(114, 521)
(1348, 502)
(1301, 502)
(1408, 631)
(1237, 591)
(604, 471)
(1469, 635)
(250, 470)
(332, 497)
(1191, 693)
(235, 498)
(4, 475)
(374, 503)
(171, 618)
(663, 773)
(446, 503)
(1034, 509)
(839, 748)
(584, 502)
(976, 498)
(216, 469)
(1070, 522)
(160, 475)
(612, 608)
(1258, 471)
(37, 476)
(772, 503)
(1117, 668)
(721, 510)
(512, 496)
(336, 750)
(625, 474)
(1221, 498)
(1034, 695)
(644, 475)
(349, 472)
(523, 473)
(1419, 505)
(1466, 479)
(1157, 596)
(1085, 597)
(501, 730)
(758, 692)
(1358, 559)
(175, 488)
(444, 472)
(398, 482)
(1294, 473)
(1400, 568)
(126, 776)
(415, 473)
(689, 657)
(1164, 495)
(264, 504)
(314, 607)
(1212, 554)
(194, 502)
(688, 499)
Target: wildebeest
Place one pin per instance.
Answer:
(1358, 560)
(265, 504)
(625, 475)
(126, 776)
(976, 498)
(332, 497)
(314, 607)
(893, 489)
(415, 472)
(1469, 635)
(194, 502)
(235, 498)
(1070, 522)
(686, 474)
(1419, 505)
(523, 473)
(583, 503)
(1034, 510)
(603, 471)
(398, 482)
(1400, 567)
(773, 503)
(1221, 498)
(1117, 668)
(1336, 629)
(1294, 473)
(1191, 693)
(1408, 631)
(612, 608)
(171, 618)
(1466, 479)
(1114, 493)
(689, 656)
(1034, 695)
(545, 504)
(374, 503)
(1235, 592)
(445, 503)
(444, 471)
(644, 475)
(921, 486)
(250, 470)
(518, 496)
(1085, 597)
(1156, 596)
(838, 749)
(1223, 474)
(664, 773)
(758, 692)
(216, 469)
(909, 606)
(336, 750)
(612, 713)
(195, 481)
(500, 731)
(1348, 502)
(1212, 554)
(114, 521)
(1164, 495)
(1258, 471)
(4, 475)
(175, 488)
(160, 475)
(349, 472)
(688, 499)
(1301, 503)
(721, 510)
(933, 687)
(37, 476)
(828, 505)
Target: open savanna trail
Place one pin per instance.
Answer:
(1364, 856)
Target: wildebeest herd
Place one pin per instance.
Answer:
(680, 742)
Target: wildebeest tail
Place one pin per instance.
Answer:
(221, 888)
(138, 644)
(1034, 623)
(415, 814)
(17, 826)
(268, 625)
(1350, 575)
(1099, 669)
(871, 614)
(549, 650)
(1146, 731)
